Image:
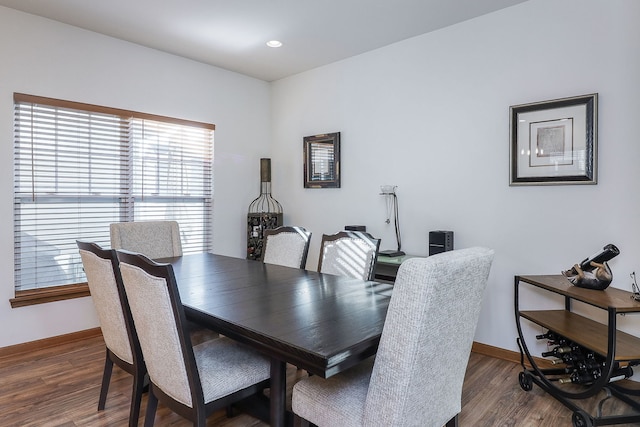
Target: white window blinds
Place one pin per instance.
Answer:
(80, 167)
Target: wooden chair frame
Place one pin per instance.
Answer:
(304, 233)
(372, 241)
(200, 411)
(137, 369)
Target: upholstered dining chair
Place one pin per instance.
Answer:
(287, 246)
(123, 348)
(155, 239)
(349, 253)
(417, 375)
(193, 381)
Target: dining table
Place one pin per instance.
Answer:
(322, 323)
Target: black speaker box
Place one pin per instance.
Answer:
(440, 241)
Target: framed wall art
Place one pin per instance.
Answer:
(322, 160)
(554, 142)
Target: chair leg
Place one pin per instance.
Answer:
(201, 419)
(453, 422)
(298, 421)
(106, 379)
(136, 399)
(229, 411)
(152, 405)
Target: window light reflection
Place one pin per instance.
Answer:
(348, 257)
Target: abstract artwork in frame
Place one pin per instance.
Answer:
(554, 142)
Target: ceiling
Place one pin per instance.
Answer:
(231, 34)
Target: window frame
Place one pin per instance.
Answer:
(76, 290)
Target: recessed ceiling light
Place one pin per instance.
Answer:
(274, 43)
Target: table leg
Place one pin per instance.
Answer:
(278, 393)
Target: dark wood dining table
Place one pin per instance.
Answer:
(318, 322)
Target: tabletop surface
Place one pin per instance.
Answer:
(318, 322)
(610, 297)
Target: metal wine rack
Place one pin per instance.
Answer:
(587, 357)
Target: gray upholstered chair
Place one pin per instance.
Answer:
(123, 348)
(193, 381)
(349, 253)
(155, 239)
(286, 246)
(418, 372)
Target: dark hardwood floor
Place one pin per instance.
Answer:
(59, 386)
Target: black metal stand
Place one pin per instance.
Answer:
(550, 379)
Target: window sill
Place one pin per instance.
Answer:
(54, 293)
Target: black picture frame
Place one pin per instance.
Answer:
(322, 160)
(554, 142)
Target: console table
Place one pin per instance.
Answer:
(386, 268)
(590, 356)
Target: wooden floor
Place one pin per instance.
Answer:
(59, 387)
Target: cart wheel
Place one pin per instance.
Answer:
(525, 381)
(581, 419)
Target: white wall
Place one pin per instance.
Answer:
(431, 115)
(45, 58)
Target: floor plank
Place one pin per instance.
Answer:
(59, 387)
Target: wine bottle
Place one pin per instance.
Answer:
(606, 254)
(583, 364)
(590, 364)
(621, 374)
(584, 377)
(577, 378)
(591, 376)
(572, 359)
(549, 335)
(561, 349)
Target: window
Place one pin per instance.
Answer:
(80, 167)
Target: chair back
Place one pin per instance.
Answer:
(287, 246)
(420, 365)
(105, 285)
(155, 239)
(160, 321)
(349, 253)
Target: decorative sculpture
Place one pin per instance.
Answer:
(264, 212)
(593, 272)
(598, 279)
